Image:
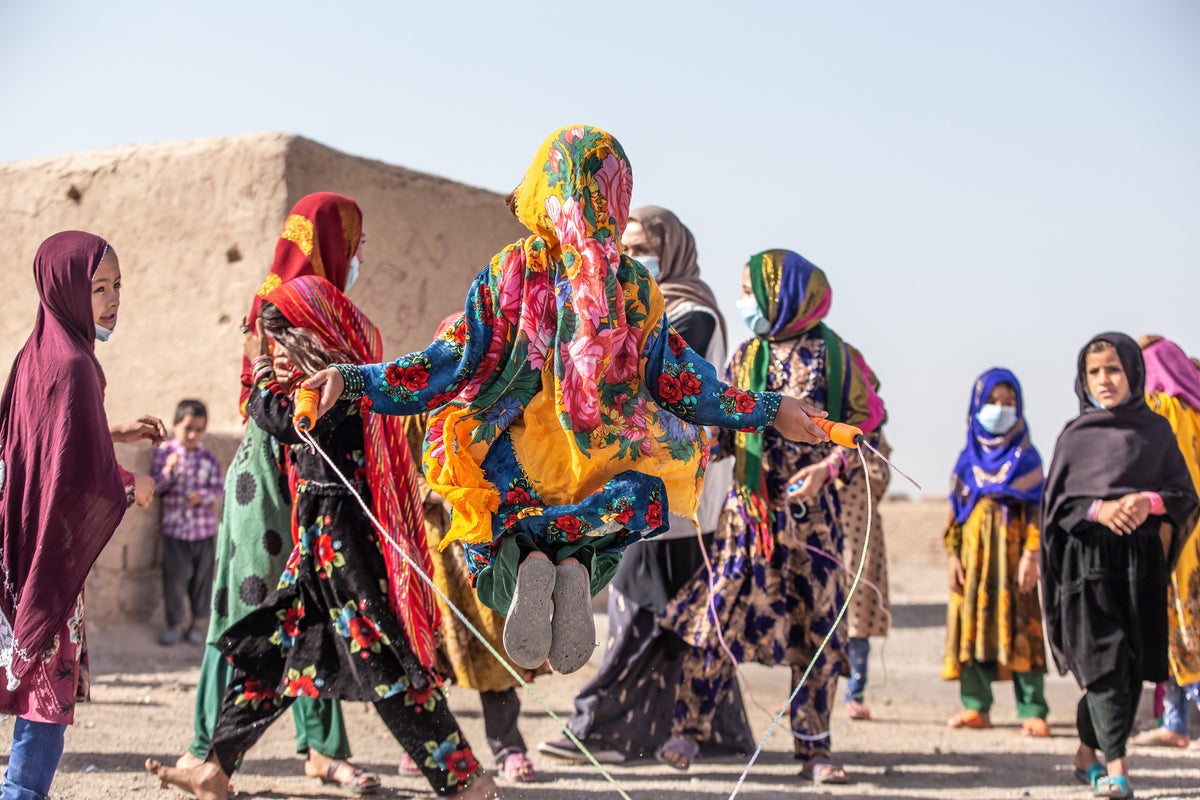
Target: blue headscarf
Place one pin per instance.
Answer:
(995, 466)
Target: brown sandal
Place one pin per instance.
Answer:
(363, 782)
(821, 771)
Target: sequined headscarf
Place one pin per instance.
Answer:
(794, 295)
(319, 237)
(1005, 465)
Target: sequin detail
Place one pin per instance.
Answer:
(300, 231)
(269, 284)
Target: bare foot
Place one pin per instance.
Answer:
(1084, 757)
(1160, 737)
(188, 761)
(678, 752)
(207, 781)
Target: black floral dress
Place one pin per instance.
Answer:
(326, 630)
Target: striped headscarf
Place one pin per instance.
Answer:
(318, 306)
(794, 296)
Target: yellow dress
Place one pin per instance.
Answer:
(989, 620)
(459, 654)
(1183, 591)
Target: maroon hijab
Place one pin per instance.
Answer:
(61, 495)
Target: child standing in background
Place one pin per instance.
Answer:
(993, 619)
(1117, 503)
(188, 478)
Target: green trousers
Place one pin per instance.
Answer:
(319, 724)
(975, 688)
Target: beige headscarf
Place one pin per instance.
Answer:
(679, 278)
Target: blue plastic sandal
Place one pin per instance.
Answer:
(1091, 775)
(1116, 786)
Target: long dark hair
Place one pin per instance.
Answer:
(303, 345)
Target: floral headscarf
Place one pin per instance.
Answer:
(570, 316)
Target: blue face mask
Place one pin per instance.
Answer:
(997, 419)
(754, 319)
(352, 275)
(102, 333)
(652, 265)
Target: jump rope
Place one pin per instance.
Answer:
(305, 415)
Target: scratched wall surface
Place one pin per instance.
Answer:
(195, 226)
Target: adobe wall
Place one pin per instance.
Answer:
(195, 226)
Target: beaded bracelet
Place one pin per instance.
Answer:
(352, 377)
(771, 401)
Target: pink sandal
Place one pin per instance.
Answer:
(856, 710)
(517, 768)
(408, 766)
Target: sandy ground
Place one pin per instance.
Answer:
(143, 698)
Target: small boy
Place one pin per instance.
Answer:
(188, 478)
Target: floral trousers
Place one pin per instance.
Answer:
(420, 720)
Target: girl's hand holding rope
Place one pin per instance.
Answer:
(330, 384)
(794, 421)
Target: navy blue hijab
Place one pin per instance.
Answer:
(991, 465)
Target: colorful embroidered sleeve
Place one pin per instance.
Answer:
(686, 385)
(426, 379)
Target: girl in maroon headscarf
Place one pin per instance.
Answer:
(62, 495)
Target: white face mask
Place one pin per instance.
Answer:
(352, 275)
(997, 419)
(102, 333)
(754, 319)
(652, 265)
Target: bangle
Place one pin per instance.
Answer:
(352, 377)
(836, 463)
(261, 366)
(770, 401)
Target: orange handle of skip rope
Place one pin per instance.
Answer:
(839, 432)
(307, 402)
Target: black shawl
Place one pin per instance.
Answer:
(1106, 454)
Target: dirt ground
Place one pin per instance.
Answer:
(143, 695)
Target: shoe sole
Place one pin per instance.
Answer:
(527, 630)
(602, 756)
(573, 629)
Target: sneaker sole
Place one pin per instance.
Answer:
(527, 630)
(573, 629)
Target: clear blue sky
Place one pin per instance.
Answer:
(985, 183)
